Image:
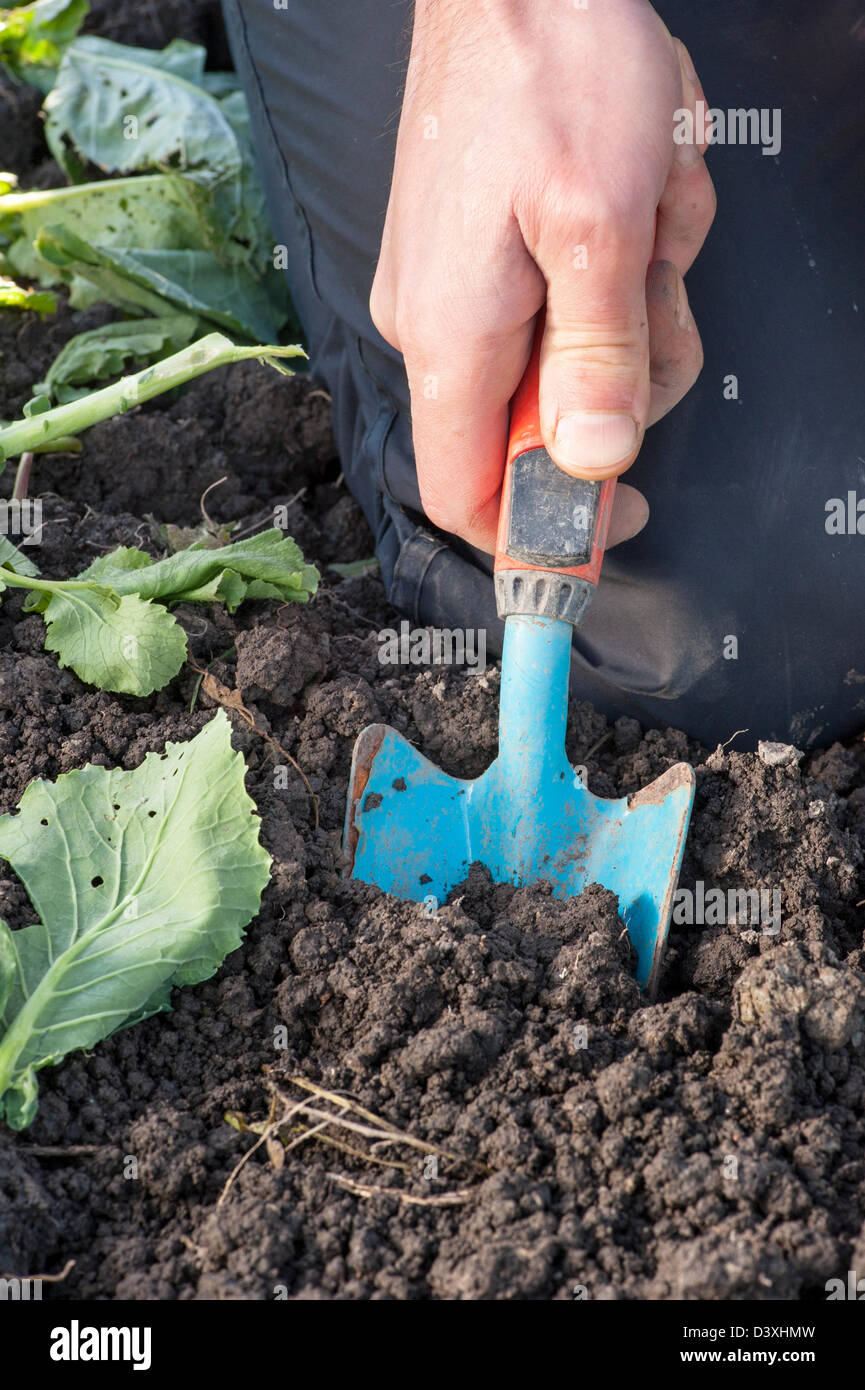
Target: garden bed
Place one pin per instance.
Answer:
(567, 1139)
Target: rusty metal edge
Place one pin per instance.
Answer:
(680, 775)
(366, 749)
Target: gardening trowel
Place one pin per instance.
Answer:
(529, 818)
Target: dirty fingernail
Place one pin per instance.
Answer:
(591, 440)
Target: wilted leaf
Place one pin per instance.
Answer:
(164, 281)
(244, 569)
(352, 569)
(104, 352)
(106, 93)
(159, 210)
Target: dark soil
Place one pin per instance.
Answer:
(708, 1146)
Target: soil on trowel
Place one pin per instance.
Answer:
(505, 1116)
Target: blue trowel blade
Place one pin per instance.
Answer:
(414, 830)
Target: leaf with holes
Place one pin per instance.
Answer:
(143, 881)
(135, 110)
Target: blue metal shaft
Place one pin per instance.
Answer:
(533, 708)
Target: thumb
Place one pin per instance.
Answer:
(594, 374)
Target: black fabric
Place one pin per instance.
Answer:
(737, 545)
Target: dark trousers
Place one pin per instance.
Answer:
(740, 606)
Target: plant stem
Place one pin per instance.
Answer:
(47, 586)
(20, 201)
(22, 476)
(214, 350)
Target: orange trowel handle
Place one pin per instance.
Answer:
(550, 524)
(548, 521)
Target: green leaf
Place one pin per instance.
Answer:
(51, 427)
(152, 211)
(269, 565)
(220, 84)
(164, 281)
(13, 559)
(33, 38)
(126, 109)
(8, 960)
(65, 394)
(353, 568)
(105, 352)
(119, 927)
(180, 57)
(107, 626)
(14, 296)
(122, 643)
(195, 281)
(129, 110)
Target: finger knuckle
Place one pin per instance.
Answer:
(676, 369)
(600, 214)
(449, 511)
(419, 319)
(610, 212)
(441, 510)
(702, 203)
(691, 218)
(704, 198)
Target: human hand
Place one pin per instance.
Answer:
(535, 148)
